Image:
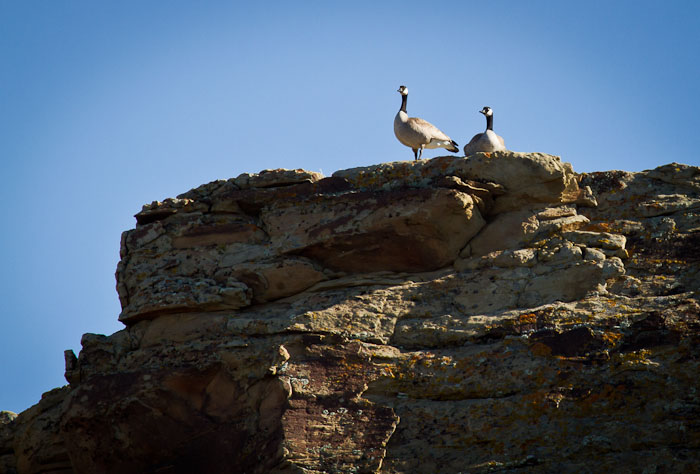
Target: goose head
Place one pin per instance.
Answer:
(403, 90)
(486, 111)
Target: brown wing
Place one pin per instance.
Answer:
(426, 128)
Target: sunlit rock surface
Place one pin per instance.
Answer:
(496, 313)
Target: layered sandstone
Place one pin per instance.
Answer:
(492, 313)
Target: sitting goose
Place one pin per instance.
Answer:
(417, 133)
(487, 141)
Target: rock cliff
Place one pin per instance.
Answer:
(492, 313)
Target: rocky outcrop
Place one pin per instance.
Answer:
(492, 313)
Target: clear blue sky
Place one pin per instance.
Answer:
(106, 106)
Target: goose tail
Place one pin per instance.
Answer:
(453, 147)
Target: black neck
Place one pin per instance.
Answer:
(489, 122)
(404, 99)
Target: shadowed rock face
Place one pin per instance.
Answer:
(450, 315)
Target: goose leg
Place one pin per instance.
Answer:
(415, 153)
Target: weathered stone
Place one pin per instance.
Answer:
(677, 174)
(7, 417)
(516, 229)
(275, 178)
(37, 441)
(8, 461)
(569, 283)
(594, 254)
(655, 210)
(250, 200)
(291, 326)
(223, 230)
(666, 204)
(553, 213)
(515, 258)
(573, 342)
(325, 406)
(506, 231)
(560, 254)
(603, 240)
(402, 230)
(526, 177)
(160, 210)
(482, 193)
(157, 295)
(274, 280)
(584, 198)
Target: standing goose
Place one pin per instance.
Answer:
(418, 134)
(487, 141)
